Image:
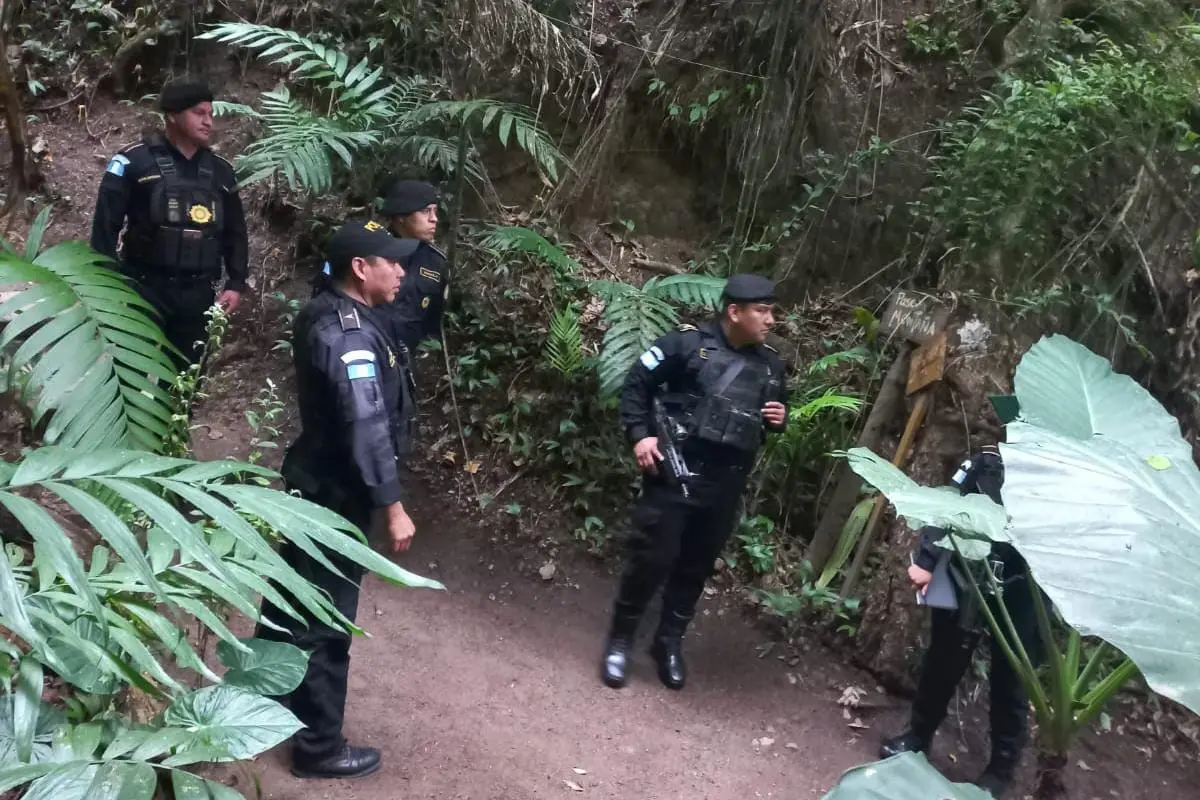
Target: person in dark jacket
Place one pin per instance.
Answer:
(716, 390)
(178, 204)
(955, 637)
(411, 208)
(355, 401)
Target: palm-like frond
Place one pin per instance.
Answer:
(510, 121)
(85, 624)
(635, 320)
(223, 108)
(301, 145)
(564, 344)
(692, 290)
(435, 153)
(79, 344)
(504, 239)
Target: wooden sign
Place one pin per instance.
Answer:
(914, 316)
(927, 364)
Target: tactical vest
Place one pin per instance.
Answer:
(185, 221)
(733, 390)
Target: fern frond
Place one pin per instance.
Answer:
(79, 342)
(635, 320)
(222, 108)
(511, 122)
(692, 290)
(831, 399)
(434, 153)
(514, 238)
(564, 343)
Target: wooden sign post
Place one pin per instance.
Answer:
(919, 319)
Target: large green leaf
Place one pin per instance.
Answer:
(228, 724)
(904, 777)
(113, 780)
(268, 668)
(80, 346)
(189, 787)
(48, 720)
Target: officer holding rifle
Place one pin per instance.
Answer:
(696, 407)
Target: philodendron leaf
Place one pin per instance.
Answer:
(189, 787)
(971, 516)
(904, 777)
(49, 719)
(112, 780)
(228, 724)
(269, 668)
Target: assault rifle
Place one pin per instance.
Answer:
(676, 468)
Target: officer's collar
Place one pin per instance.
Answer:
(160, 140)
(715, 328)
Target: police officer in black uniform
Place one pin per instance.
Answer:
(355, 400)
(185, 219)
(957, 632)
(721, 388)
(411, 208)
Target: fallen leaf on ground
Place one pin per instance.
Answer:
(579, 771)
(573, 786)
(547, 571)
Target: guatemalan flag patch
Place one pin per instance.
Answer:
(117, 165)
(652, 357)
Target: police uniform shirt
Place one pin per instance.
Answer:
(126, 192)
(677, 361)
(352, 400)
(416, 313)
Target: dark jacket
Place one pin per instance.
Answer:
(416, 313)
(354, 403)
(131, 198)
(683, 369)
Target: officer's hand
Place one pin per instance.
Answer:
(774, 413)
(647, 454)
(400, 528)
(228, 300)
(920, 578)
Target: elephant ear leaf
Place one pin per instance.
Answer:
(904, 777)
(265, 667)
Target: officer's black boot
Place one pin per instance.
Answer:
(613, 671)
(347, 762)
(910, 741)
(667, 649)
(998, 776)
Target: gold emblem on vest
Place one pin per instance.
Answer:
(424, 302)
(200, 214)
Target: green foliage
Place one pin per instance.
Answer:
(354, 110)
(510, 239)
(636, 317)
(564, 343)
(804, 601)
(753, 540)
(79, 351)
(908, 776)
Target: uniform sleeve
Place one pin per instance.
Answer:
(112, 202)
(353, 368)
(662, 363)
(235, 247)
(779, 394)
(928, 551)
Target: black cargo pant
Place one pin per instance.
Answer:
(181, 303)
(675, 541)
(949, 656)
(319, 702)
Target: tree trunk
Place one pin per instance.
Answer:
(23, 173)
(1051, 779)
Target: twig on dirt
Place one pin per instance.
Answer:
(462, 437)
(517, 476)
(60, 104)
(601, 260)
(663, 267)
(887, 58)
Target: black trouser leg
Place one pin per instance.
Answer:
(320, 700)
(181, 308)
(706, 532)
(654, 542)
(946, 661)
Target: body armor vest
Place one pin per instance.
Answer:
(185, 221)
(733, 391)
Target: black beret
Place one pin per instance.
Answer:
(749, 289)
(409, 197)
(182, 95)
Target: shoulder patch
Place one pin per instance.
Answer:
(360, 370)
(117, 165)
(431, 274)
(357, 355)
(686, 328)
(652, 357)
(348, 316)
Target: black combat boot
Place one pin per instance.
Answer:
(997, 778)
(613, 671)
(348, 762)
(667, 649)
(908, 742)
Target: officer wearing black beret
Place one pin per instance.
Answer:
(411, 209)
(707, 395)
(177, 202)
(355, 404)
(957, 631)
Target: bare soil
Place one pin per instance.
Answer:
(490, 689)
